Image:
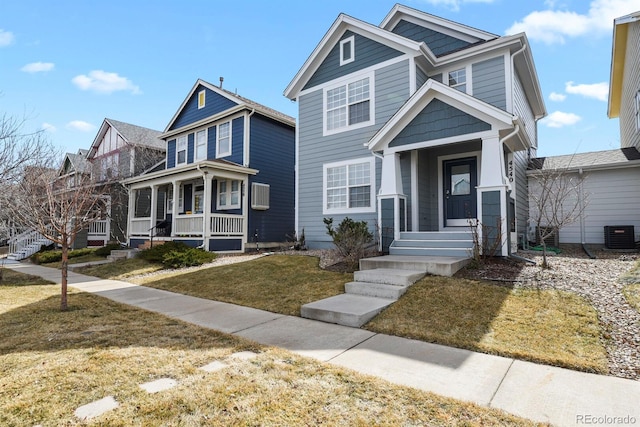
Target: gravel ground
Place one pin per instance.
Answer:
(598, 280)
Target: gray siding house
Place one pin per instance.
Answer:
(420, 126)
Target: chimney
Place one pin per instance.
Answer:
(221, 80)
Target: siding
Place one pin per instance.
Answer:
(367, 53)
(488, 79)
(521, 188)
(438, 120)
(211, 143)
(190, 143)
(272, 153)
(522, 109)
(405, 173)
(171, 154)
(440, 44)
(629, 134)
(491, 215)
(391, 91)
(237, 141)
(421, 77)
(190, 113)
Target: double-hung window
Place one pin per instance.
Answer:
(349, 105)
(457, 79)
(228, 194)
(201, 145)
(181, 150)
(349, 186)
(223, 144)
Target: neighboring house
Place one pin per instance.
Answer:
(119, 151)
(607, 193)
(74, 168)
(418, 125)
(227, 180)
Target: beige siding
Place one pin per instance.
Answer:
(629, 134)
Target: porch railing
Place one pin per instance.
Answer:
(226, 225)
(140, 226)
(98, 228)
(188, 225)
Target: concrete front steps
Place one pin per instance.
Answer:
(433, 243)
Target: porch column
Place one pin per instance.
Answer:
(390, 198)
(492, 198)
(174, 207)
(154, 208)
(131, 212)
(245, 211)
(206, 210)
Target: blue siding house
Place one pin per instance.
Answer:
(422, 127)
(227, 182)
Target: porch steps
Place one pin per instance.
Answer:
(441, 243)
(120, 254)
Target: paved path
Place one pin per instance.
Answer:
(541, 393)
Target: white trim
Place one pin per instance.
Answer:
(441, 160)
(346, 82)
(203, 94)
(467, 75)
(179, 139)
(196, 158)
(415, 202)
(372, 185)
(229, 192)
(351, 41)
(220, 154)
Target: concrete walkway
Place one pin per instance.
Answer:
(541, 393)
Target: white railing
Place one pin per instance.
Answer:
(226, 225)
(188, 225)
(140, 226)
(26, 244)
(98, 228)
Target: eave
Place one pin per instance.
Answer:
(211, 165)
(618, 59)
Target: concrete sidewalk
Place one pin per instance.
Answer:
(541, 393)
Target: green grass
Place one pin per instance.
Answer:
(52, 362)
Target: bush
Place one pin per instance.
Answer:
(156, 254)
(351, 239)
(105, 251)
(187, 258)
(56, 256)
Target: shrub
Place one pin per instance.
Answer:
(56, 256)
(187, 258)
(351, 239)
(105, 251)
(156, 254)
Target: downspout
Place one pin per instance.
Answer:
(206, 207)
(582, 222)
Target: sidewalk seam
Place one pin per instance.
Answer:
(490, 403)
(352, 347)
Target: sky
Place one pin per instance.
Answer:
(67, 65)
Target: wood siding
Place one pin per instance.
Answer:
(367, 54)
(190, 113)
(421, 77)
(439, 43)
(488, 79)
(629, 134)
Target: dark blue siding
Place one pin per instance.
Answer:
(491, 214)
(214, 104)
(171, 154)
(367, 53)
(438, 120)
(225, 244)
(192, 243)
(190, 144)
(440, 44)
(387, 214)
(272, 153)
(211, 143)
(237, 141)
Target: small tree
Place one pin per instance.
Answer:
(351, 239)
(557, 200)
(43, 203)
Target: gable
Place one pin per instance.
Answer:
(111, 141)
(367, 53)
(438, 120)
(439, 43)
(190, 113)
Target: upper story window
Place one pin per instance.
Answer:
(223, 144)
(349, 106)
(181, 149)
(228, 194)
(349, 186)
(458, 79)
(347, 50)
(201, 145)
(201, 99)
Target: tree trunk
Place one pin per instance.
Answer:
(64, 269)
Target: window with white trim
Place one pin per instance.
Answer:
(638, 110)
(181, 149)
(201, 99)
(347, 50)
(349, 106)
(223, 141)
(349, 186)
(458, 79)
(228, 194)
(201, 145)
(260, 196)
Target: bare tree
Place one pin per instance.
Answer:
(44, 203)
(557, 200)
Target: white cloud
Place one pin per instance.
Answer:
(599, 91)
(48, 127)
(557, 97)
(559, 119)
(554, 26)
(455, 4)
(104, 82)
(6, 38)
(80, 125)
(37, 67)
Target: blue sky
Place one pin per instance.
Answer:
(66, 65)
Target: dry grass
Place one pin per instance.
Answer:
(552, 327)
(278, 283)
(52, 362)
(121, 270)
(632, 294)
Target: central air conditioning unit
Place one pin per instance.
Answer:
(552, 239)
(619, 237)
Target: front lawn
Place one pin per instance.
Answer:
(52, 362)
